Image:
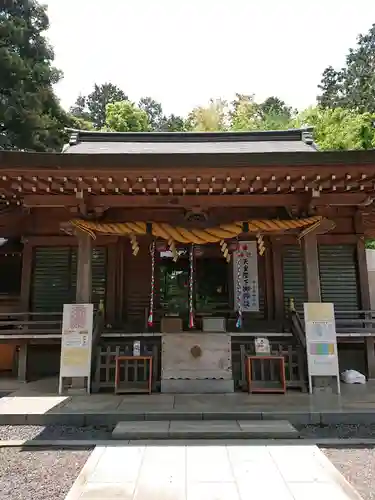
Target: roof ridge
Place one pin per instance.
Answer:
(78, 136)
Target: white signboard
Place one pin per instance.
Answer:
(262, 346)
(247, 257)
(76, 342)
(321, 343)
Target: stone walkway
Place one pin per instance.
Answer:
(37, 403)
(209, 472)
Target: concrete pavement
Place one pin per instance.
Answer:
(209, 472)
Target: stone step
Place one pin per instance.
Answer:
(205, 429)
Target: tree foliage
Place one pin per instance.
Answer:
(210, 118)
(353, 86)
(31, 117)
(125, 116)
(339, 129)
(272, 114)
(158, 122)
(92, 108)
(174, 123)
(154, 112)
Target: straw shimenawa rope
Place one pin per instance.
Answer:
(197, 236)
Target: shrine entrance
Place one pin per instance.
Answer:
(211, 287)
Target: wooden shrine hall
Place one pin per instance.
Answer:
(190, 246)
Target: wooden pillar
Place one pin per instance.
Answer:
(22, 363)
(83, 292)
(269, 283)
(27, 265)
(311, 261)
(364, 289)
(277, 268)
(365, 304)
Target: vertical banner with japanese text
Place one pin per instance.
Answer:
(247, 258)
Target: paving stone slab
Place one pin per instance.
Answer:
(173, 415)
(12, 419)
(294, 417)
(206, 429)
(141, 430)
(112, 418)
(72, 419)
(231, 415)
(276, 429)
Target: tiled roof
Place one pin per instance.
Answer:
(191, 142)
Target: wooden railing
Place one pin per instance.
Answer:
(24, 324)
(108, 351)
(295, 371)
(355, 323)
(296, 325)
(348, 323)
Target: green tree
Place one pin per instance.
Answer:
(272, 114)
(92, 107)
(352, 87)
(339, 129)
(79, 123)
(31, 117)
(125, 116)
(210, 118)
(173, 123)
(154, 112)
(79, 109)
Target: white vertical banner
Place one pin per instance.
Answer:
(247, 258)
(76, 342)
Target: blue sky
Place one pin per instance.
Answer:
(184, 52)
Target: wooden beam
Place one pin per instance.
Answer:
(188, 201)
(64, 240)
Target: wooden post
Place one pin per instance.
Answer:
(365, 304)
(27, 264)
(277, 268)
(22, 363)
(83, 292)
(311, 262)
(364, 289)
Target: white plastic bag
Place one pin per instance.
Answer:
(352, 377)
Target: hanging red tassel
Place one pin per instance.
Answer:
(150, 320)
(191, 320)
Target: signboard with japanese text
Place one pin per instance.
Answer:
(76, 341)
(321, 343)
(245, 261)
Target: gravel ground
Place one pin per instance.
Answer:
(337, 431)
(53, 432)
(39, 475)
(357, 466)
(104, 432)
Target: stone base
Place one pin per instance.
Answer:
(197, 386)
(208, 429)
(324, 385)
